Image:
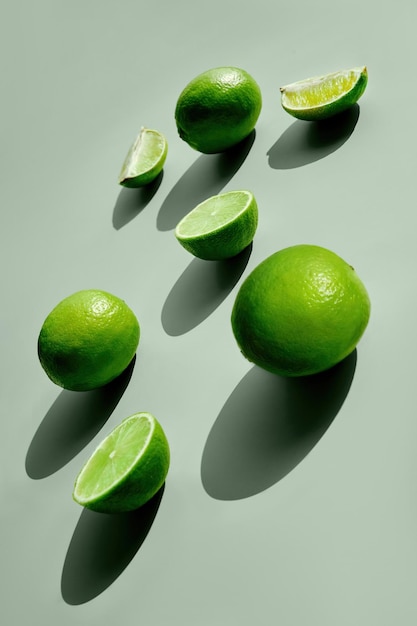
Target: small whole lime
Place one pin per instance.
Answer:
(88, 340)
(218, 109)
(300, 311)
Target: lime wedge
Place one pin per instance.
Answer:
(220, 227)
(321, 97)
(127, 468)
(145, 159)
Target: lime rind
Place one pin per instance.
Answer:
(321, 97)
(145, 159)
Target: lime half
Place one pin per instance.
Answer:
(321, 97)
(127, 468)
(220, 227)
(145, 159)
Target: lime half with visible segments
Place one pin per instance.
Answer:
(127, 469)
(220, 227)
(321, 97)
(145, 159)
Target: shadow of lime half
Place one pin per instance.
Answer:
(101, 548)
(268, 426)
(306, 142)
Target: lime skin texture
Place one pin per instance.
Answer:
(218, 109)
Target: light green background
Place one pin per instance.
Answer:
(286, 503)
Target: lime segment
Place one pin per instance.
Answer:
(220, 227)
(145, 159)
(321, 97)
(127, 468)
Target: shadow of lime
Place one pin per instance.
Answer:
(101, 548)
(132, 201)
(205, 178)
(306, 142)
(268, 426)
(200, 290)
(71, 423)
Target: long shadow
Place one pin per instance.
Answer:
(206, 177)
(101, 548)
(268, 426)
(306, 142)
(71, 423)
(200, 290)
(131, 202)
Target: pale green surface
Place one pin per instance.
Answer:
(267, 529)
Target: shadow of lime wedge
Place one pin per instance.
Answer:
(101, 548)
(306, 142)
(268, 426)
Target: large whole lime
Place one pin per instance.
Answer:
(87, 340)
(218, 109)
(300, 311)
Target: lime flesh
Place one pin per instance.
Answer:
(127, 468)
(145, 159)
(221, 226)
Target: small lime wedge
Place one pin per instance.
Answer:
(127, 468)
(145, 159)
(321, 97)
(220, 227)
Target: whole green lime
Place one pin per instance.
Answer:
(300, 311)
(218, 109)
(87, 340)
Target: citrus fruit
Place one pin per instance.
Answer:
(145, 159)
(127, 468)
(320, 97)
(87, 340)
(220, 227)
(300, 311)
(218, 109)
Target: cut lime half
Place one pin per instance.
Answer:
(127, 468)
(321, 97)
(145, 159)
(220, 227)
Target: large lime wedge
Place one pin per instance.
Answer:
(321, 97)
(127, 468)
